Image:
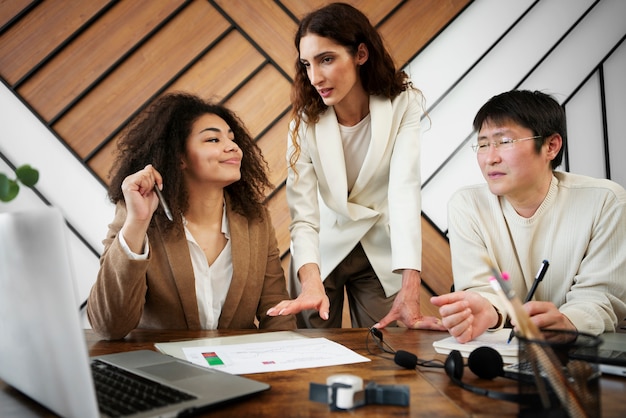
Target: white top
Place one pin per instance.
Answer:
(355, 140)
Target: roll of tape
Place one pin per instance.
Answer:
(345, 395)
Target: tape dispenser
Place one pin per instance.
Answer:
(345, 391)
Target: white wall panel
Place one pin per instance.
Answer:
(501, 70)
(444, 61)
(614, 74)
(63, 180)
(582, 50)
(461, 169)
(524, 53)
(585, 132)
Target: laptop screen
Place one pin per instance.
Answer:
(42, 349)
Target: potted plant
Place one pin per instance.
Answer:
(9, 188)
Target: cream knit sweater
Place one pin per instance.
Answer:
(580, 228)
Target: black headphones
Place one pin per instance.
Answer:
(485, 362)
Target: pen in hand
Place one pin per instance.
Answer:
(538, 278)
(163, 204)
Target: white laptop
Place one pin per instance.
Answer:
(42, 347)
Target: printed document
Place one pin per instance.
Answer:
(261, 352)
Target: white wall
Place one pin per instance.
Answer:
(63, 182)
(494, 46)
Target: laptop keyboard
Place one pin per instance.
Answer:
(123, 393)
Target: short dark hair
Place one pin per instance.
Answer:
(533, 110)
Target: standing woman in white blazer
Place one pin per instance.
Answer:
(353, 185)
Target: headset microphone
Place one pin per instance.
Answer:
(485, 362)
(405, 359)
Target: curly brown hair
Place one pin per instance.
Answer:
(349, 27)
(158, 136)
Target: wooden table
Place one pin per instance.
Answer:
(432, 392)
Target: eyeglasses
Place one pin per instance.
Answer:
(501, 144)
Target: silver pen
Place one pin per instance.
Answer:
(163, 204)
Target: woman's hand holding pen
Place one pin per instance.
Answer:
(141, 202)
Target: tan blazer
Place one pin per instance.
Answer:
(160, 292)
(382, 211)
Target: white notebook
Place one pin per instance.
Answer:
(494, 339)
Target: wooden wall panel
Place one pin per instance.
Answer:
(436, 262)
(374, 10)
(280, 218)
(101, 162)
(273, 144)
(219, 72)
(410, 28)
(261, 100)
(80, 64)
(37, 34)
(268, 25)
(10, 9)
(126, 90)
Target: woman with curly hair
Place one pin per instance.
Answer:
(216, 263)
(353, 184)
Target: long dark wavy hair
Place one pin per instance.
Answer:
(349, 27)
(158, 136)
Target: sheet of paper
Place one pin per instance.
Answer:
(175, 348)
(271, 356)
(496, 340)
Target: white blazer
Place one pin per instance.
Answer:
(383, 209)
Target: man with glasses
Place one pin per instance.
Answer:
(529, 212)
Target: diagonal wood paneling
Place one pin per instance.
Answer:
(375, 10)
(261, 100)
(87, 67)
(274, 146)
(220, 71)
(141, 76)
(267, 25)
(87, 58)
(414, 23)
(12, 9)
(37, 34)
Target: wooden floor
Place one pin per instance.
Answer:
(87, 67)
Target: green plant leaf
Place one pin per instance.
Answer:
(4, 185)
(8, 188)
(27, 175)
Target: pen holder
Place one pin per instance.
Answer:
(563, 371)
